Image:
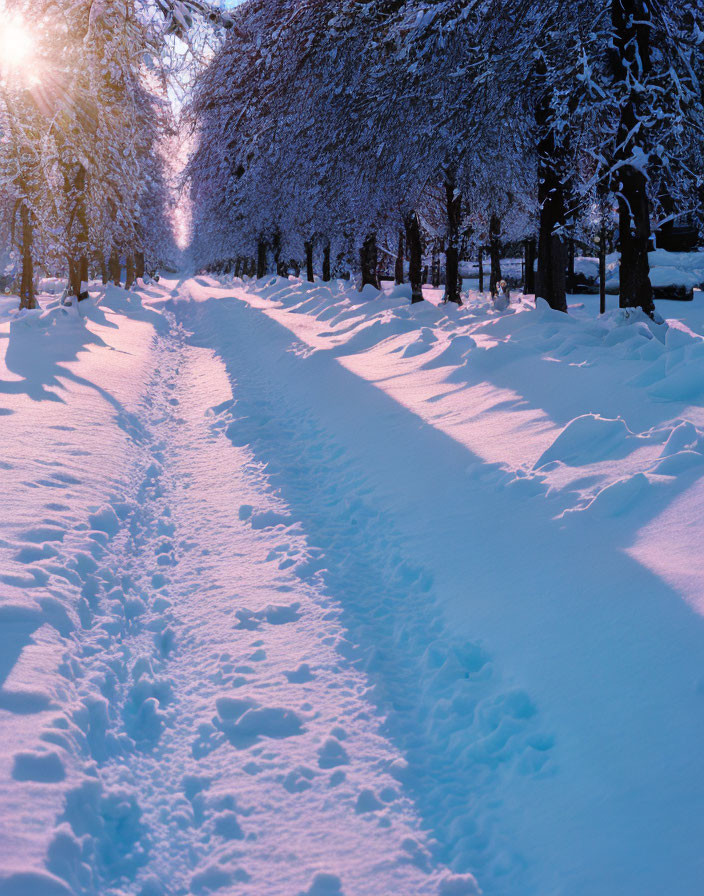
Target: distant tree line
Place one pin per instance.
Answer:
(332, 130)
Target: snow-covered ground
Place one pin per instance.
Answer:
(312, 592)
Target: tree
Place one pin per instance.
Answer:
(324, 124)
(85, 128)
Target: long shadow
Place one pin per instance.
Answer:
(39, 348)
(527, 358)
(537, 679)
(17, 625)
(36, 352)
(39, 355)
(551, 346)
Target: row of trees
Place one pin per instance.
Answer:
(350, 129)
(84, 115)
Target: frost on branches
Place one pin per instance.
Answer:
(353, 132)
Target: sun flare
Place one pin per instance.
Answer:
(15, 45)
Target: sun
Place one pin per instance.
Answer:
(15, 44)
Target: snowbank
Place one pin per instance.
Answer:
(312, 591)
(561, 376)
(177, 693)
(675, 269)
(541, 474)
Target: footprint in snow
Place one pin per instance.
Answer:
(215, 877)
(248, 619)
(324, 884)
(367, 801)
(208, 739)
(35, 579)
(45, 767)
(24, 703)
(244, 721)
(280, 614)
(105, 520)
(159, 580)
(459, 885)
(228, 827)
(298, 780)
(332, 754)
(33, 554)
(165, 527)
(300, 675)
(274, 614)
(265, 519)
(43, 533)
(337, 778)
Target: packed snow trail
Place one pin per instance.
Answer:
(273, 640)
(584, 739)
(252, 745)
(207, 727)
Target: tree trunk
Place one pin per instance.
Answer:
(261, 259)
(139, 265)
(571, 284)
(104, 276)
(481, 269)
(80, 272)
(495, 253)
(415, 256)
(635, 289)
(309, 261)
(115, 268)
(74, 278)
(342, 266)
(552, 258)
(27, 296)
(398, 267)
(78, 229)
(326, 261)
(631, 53)
(453, 207)
(83, 270)
(435, 265)
(280, 267)
(368, 261)
(529, 278)
(602, 270)
(129, 272)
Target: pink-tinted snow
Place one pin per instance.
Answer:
(308, 592)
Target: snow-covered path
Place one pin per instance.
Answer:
(269, 640)
(213, 727)
(257, 754)
(556, 681)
